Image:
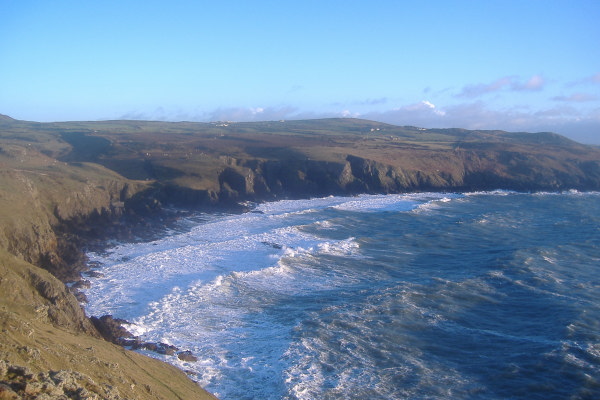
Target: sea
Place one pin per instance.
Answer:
(485, 295)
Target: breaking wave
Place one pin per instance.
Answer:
(482, 295)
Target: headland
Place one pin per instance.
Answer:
(64, 185)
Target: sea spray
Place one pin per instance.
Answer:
(484, 295)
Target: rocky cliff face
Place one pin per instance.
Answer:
(48, 347)
(276, 179)
(272, 179)
(62, 184)
(46, 206)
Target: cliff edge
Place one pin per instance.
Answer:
(48, 347)
(62, 184)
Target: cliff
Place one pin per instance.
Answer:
(198, 164)
(63, 184)
(47, 344)
(49, 347)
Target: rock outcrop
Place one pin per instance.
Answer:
(18, 382)
(48, 346)
(64, 184)
(49, 349)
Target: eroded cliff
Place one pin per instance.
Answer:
(48, 347)
(62, 184)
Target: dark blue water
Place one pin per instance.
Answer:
(425, 296)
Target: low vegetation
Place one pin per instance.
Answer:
(62, 184)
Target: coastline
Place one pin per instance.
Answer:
(60, 192)
(211, 287)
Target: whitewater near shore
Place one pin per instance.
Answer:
(489, 294)
(65, 183)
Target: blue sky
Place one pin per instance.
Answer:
(522, 65)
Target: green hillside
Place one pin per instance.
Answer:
(63, 184)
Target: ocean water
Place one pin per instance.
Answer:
(492, 295)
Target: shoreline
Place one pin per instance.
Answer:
(113, 328)
(502, 194)
(67, 185)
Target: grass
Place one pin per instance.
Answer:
(69, 170)
(30, 339)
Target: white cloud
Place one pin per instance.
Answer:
(513, 83)
(576, 97)
(558, 112)
(565, 120)
(239, 114)
(536, 82)
(423, 113)
(433, 108)
(484, 88)
(373, 102)
(593, 79)
(158, 114)
(349, 114)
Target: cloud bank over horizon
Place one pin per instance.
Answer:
(507, 65)
(468, 109)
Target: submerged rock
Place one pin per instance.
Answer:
(187, 356)
(160, 348)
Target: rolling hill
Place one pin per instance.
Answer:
(63, 183)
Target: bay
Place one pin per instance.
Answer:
(488, 295)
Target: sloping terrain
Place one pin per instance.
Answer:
(47, 345)
(202, 164)
(64, 183)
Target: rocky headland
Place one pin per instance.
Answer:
(65, 185)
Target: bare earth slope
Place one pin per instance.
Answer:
(63, 182)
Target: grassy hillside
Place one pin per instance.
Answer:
(62, 183)
(47, 345)
(213, 162)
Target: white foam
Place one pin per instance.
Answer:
(299, 206)
(435, 202)
(365, 203)
(352, 343)
(346, 247)
(206, 290)
(497, 192)
(392, 202)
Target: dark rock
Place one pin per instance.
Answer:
(111, 328)
(187, 356)
(273, 245)
(160, 348)
(16, 371)
(166, 349)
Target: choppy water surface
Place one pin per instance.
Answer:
(477, 296)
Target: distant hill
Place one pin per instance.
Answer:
(200, 164)
(66, 182)
(5, 118)
(227, 161)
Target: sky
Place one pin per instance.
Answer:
(523, 65)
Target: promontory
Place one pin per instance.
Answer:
(65, 184)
